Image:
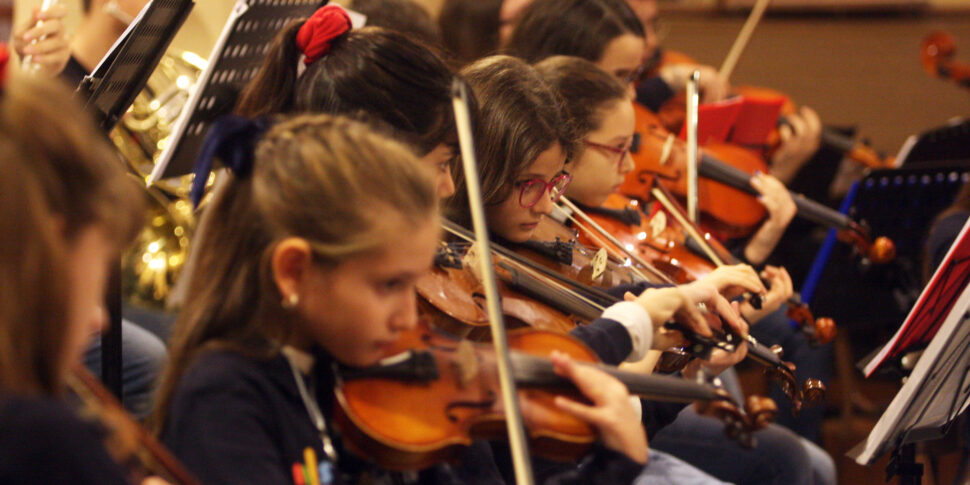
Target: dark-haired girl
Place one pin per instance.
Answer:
(376, 75)
(615, 42)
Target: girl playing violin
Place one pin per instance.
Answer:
(67, 211)
(616, 43)
(601, 111)
(311, 249)
(522, 147)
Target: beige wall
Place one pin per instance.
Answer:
(857, 71)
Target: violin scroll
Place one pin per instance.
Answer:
(937, 52)
(818, 331)
(740, 424)
(880, 251)
(883, 250)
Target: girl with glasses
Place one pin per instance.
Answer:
(599, 108)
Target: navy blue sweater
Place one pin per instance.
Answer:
(42, 441)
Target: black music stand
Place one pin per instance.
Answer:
(107, 93)
(949, 143)
(938, 389)
(936, 393)
(122, 74)
(234, 61)
(900, 204)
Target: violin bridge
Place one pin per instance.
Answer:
(658, 224)
(667, 149)
(471, 261)
(599, 264)
(466, 363)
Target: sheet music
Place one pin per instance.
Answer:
(937, 299)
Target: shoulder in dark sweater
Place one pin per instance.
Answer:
(43, 441)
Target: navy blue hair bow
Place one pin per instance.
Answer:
(232, 139)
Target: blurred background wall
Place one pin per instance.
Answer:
(855, 68)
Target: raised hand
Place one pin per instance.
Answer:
(781, 209)
(43, 40)
(800, 139)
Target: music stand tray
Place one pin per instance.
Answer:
(937, 390)
(123, 72)
(234, 61)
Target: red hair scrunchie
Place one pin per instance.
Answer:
(316, 34)
(4, 57)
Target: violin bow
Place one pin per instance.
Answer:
(693, 100)
(661, 196)
(741, 42)
(516, 431)
(148, 452)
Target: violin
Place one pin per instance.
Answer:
(452, 298)
(127, 442)
(726, 197)
(811, 391)
(937, 52)
(661, 240)
(434, 394)
(673, 113)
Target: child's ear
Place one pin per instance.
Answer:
(290, 261)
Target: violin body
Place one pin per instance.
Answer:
(438, 394)
(408, 427)
(659, 239)
(727, 201)
(453, 299)
(584, 263)
(726, 210)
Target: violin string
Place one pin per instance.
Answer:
(536, 284)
